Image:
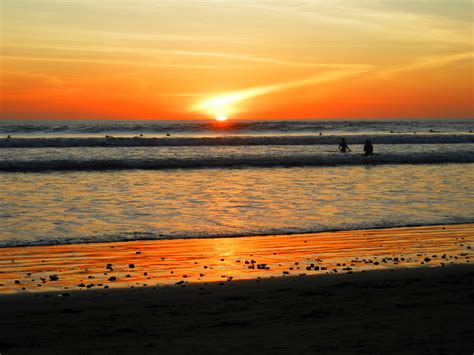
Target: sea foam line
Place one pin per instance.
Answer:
(233, 141)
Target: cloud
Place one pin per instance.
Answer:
(219, 103)
(428, 62)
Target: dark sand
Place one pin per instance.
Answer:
(427, 310)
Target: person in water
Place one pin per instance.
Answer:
(368, 147)
(343, 147)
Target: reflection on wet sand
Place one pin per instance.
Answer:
(178, 262)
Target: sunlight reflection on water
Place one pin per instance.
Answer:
(102, 206)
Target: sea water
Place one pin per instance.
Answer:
(65, 182)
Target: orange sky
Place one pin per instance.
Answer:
(247, 59)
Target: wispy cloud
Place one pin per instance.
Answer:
(165, 54)
(219, 103)
(428, 63)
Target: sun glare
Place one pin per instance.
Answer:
(221, 118)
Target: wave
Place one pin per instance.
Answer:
(134, 236)
(232, 141)
(268, 161)
(154, 127)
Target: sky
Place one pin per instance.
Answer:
(245, 59)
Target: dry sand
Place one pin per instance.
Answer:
(415, 311)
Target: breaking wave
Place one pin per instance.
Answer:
(231, 141)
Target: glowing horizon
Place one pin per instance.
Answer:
(202, 59)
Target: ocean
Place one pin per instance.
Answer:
(96, 181)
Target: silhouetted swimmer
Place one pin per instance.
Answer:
(168, 135)
(320, 133)
(368, 147)
(343, 147)
(9, 137)
(391, 131)
(108, 136)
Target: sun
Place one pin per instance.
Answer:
(221, 118)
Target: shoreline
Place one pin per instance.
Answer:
(184, 261)
(287, 234)
(418, 310)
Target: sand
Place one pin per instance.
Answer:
(366, 300)
(418, 311)
(166, 262)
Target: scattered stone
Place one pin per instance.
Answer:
(112, 278)
(131, 266)
(53, 277)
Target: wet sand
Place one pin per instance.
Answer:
(169, 262)
(400, 290)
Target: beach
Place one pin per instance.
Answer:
(374, 302)
(220, 177)
(416, 311)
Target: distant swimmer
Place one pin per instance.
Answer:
(168, 135)
(368, 147)
(391, 131)
(320, 133)
(9, 137)
(343, 147)
(108, 136)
